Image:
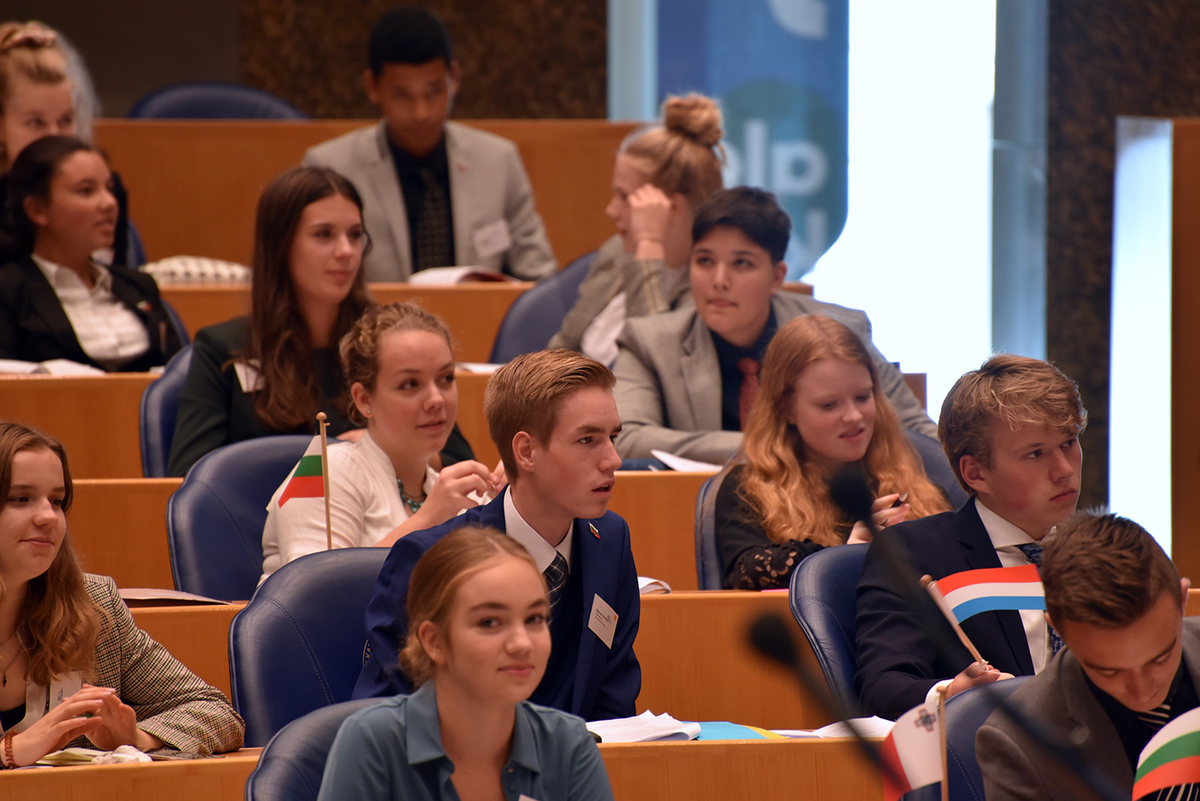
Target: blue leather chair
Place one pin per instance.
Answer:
(823, 600)
(213, 101)
(215, 519)
(937, 467)
(298, 644)
(708, 561)
(160, 407)
(292, 764)
(537, 315)
(965, 713)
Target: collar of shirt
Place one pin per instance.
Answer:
(409, 165)
(64, 278)
(541, 551)
(1003, 533)
(424, 735)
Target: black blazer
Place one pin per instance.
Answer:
(897, 662)
(34, 327)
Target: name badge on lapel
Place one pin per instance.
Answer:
(603, 621)
(492, 239)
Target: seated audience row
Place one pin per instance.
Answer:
(686, 379)
(77, 670)
(271, 372)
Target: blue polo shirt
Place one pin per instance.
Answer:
(393, 750)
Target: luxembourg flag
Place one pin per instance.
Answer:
(912, 752)
(308, 479)
(992, 589)
(1171, 758)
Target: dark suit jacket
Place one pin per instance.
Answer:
(897, 661)
(34, 327)
(1015, 768)
(584, 677)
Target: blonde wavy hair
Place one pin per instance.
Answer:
(781, 481)
(58, 624)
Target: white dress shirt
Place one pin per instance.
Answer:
(108, 331)
(541, 550)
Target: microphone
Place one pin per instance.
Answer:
(770, 637)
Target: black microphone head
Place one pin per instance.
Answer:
(850, 492)
(771, 637)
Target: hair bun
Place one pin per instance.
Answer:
(694, 116)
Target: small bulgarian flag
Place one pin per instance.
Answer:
(992, 589)
(308, 479)
(912, 752)
(1171, 758)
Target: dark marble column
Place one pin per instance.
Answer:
(520, 58)
(1106, 58)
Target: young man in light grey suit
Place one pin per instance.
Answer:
(1131, 665)
(435, 193)
(679, 386)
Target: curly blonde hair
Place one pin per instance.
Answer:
(781, 481)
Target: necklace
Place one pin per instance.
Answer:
(412, 503)
(4, 680)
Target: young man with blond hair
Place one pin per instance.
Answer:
(1011, 433)
(1131, 665)
(553, 419)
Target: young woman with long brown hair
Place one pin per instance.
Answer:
(271, 372)
(819, 409)
(73, 663)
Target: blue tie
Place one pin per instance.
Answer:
(1033, 552)
(556, 579)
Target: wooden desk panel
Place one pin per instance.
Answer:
(824, 770)
(815, 770)
(96, 417)
(198, 636)
(225, 165)
(660, 507)
(697, 663)
(472, 422)
(119, 527)
(221, 778)
(473, 312)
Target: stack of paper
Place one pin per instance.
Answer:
(871, 728)
(70, 756)
(644, 728)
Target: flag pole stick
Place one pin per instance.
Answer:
(942, 726)
(934, 592)
(321, 424)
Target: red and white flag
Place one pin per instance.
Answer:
(912, 753)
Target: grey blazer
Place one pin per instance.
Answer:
(1014, 767)
(669, 381)
(487, 184)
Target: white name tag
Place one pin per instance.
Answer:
(603, 621)
(492, 239)
(63, 688)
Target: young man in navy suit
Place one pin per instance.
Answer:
(1011, 432)
(553, 419)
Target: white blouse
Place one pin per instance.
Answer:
(364, 506)
(107, 330)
